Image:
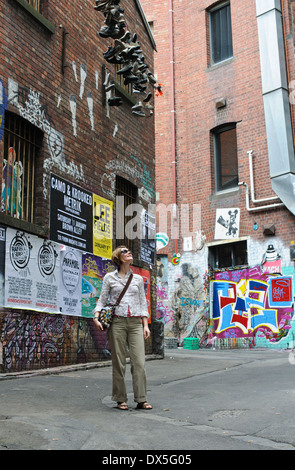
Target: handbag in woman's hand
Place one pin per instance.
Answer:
(105, 315)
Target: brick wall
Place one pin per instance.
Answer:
(197, 86)
(183, 289)
(72, 102)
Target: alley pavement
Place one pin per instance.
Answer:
(202, 400)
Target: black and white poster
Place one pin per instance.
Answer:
(46, 277)
(148, 237)
(31, 272)
(19, 269)
(227, 223)
(71, 214)
(70, 281)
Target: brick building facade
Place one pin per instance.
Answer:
(224, 147)
(75, 137)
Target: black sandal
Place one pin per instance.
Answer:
(144, 406)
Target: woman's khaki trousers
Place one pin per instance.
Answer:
(128, 330)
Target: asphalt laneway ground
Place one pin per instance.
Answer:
(202, 400)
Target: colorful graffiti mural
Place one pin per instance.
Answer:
(40, 341)
(94, 269)
(164, 312)
(249, 303)
(181, 304)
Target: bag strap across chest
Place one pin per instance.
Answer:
(124, 290)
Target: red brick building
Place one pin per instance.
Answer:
(224, 146)
(76, 149)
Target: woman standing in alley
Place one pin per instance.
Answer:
(129, 325)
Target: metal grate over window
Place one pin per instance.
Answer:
(22, 141)
(120, 80)
(35, 4)
(126, 194)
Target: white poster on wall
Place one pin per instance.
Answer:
(31, 272)
(19, 268)
(227, 223)
(46, 277)
(70, 281)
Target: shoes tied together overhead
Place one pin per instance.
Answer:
(127, 52)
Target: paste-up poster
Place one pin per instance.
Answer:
(70, 214)
(227, 223)
(148, 238)
(31, 272)
(94, 269)
(102, 227)
(46, 276)
(146, 276)
(20, 264)
(2, 264)
(70, 281)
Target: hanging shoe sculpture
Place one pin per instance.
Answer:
(126, 51)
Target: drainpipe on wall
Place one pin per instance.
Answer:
(252, 190)
(275, 90)
(258, 208)
(173, 133)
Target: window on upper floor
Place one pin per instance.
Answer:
(119, 80)
(38, 9)
(225, 157)
(220, 33)
(35, 4)
(124, 214)
(22, 142)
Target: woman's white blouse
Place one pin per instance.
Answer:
(134, 301)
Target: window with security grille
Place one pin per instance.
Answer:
(119, 79)
(35, 4)
(22, 142)
(126, 195)
(228, 255)
(221, 33)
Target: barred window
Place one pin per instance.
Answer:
(121, 81)
(22, 142)
(35, 4)
(128, 193)
(228, 255)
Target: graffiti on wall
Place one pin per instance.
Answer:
(137, 171)
(35, 341)
(189, 302)
(40, 341)
(30, 107)
(3, 106)
(93, 271)
(183, 308)
(12, 184)
(248, 302)
(164, 312)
